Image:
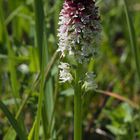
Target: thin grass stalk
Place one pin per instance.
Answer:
(56, 14)
(39, 25)
(133, 39)
(48, 99)
(51, 124)
(40, 102)
(48, 92)
(15, 21)
(31, 134)
(77, 109)
(49, 106)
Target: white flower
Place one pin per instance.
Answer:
(64, 74)
(23, 68)
(89, 83)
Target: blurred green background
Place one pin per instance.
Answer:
(109, 113)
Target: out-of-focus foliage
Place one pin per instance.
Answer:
(104, 117)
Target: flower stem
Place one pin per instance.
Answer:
(77, 110)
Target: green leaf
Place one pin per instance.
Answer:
(10, 135)
(117, 130)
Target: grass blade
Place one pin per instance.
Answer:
(119, 97)
(13, 122)
(39, 20)
(132, 37)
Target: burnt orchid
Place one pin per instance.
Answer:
(79, 35)
(79, 29)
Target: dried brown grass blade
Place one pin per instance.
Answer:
(119, 97)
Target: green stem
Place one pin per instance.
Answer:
(77, 110)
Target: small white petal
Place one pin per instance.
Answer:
(64, 74)
(89, 83)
